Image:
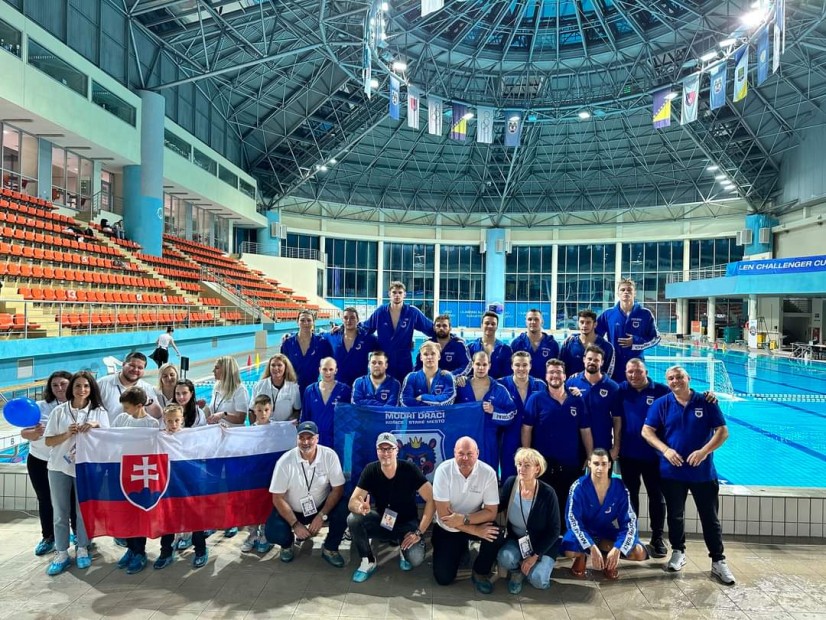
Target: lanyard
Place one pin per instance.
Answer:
(215, 405)
(309, 482)
(533, 499)
(274, 392)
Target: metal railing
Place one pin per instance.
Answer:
(701, 273)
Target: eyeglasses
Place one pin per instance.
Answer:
(386, 450)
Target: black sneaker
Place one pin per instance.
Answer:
(657, 548)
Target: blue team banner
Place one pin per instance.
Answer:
(426, 435)
(762, 55)
(717, 90)
(777, 266)
(394, 98)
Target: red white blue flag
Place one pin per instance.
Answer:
(144, 482)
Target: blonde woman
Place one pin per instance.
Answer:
(167, 379)
(230, 400)
(279, 382)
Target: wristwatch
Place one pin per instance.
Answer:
(418, 533)
(466, 520)
(324, 517)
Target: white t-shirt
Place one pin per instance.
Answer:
(466, 495)
(38, 447)
(293, 476)
(162, 400)
(164, 340)
(240, 401)
(124, 420)
(110, 390)
(63, 416)
(284, 400)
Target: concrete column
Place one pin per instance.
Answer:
(495, 267)
(437, 281)
(682, 316)
(44, 169)
(754, 222)
(267, 242)
(322, 250)
(551, 324)
(143, 184)
(188, 223)
(97, 169)
(712, 323)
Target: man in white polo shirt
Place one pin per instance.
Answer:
(467, 499)
(112, 386)
(307, 486)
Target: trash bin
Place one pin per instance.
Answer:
(731, 334)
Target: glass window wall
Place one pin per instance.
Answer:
(527, 283)
(585, 280)
(649, 265)
(462, 283)
(352, 272)
(412, 264)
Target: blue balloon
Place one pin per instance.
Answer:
(22, 412)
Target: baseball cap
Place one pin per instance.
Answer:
(386, 438)
(307, 427)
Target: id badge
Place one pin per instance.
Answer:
(70, 456)
(525, 547)
(388, 519)
(308, 506)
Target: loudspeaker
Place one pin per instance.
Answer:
(184, 364)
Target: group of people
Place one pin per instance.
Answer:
(549, 412)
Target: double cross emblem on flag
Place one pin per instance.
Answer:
(144, 478)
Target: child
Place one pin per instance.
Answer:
(193, 416)
(134, 415)
(173, 417)
(82, 412)
(261, 413)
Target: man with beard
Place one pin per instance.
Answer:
(130, 375)
(499, 352)
(556, 424)
(573, 349)
(600, 394)
(541, 346)
(455, 358)
(351, 348)
(378, 389)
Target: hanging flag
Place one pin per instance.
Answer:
(513, 128)
(431, 6)
(717, 92)
(741, 73)
(367, 71)
(661, 113)
(413, 97)
(435, 112)
(691, 95)
(762, 55)
(484, 124)
(775, 48)
(458, 124)
(394, 98)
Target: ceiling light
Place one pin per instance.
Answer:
(708, 56)
(333, 161)
(584, 115)
(727, 184)
(323, 168)
(374, 83)
(399, 65)
(713, 168)
(670, 96)
(728, 42)
(385, 6)
(752, 19)
(467, 116)
(720, 177)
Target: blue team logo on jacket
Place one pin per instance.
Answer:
(649, 400)
(449, 356)
(383, 395)
(698, 413)
(635, 323)
(603, 392)
(573, 411)
(545, 352)
(144, 479)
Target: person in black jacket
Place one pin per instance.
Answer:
(530, 545)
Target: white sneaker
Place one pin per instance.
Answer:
(249, 544)
(722, 572)
(677, 561)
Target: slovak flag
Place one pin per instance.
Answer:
(145, 482)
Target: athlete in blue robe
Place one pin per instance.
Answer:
(548, 349)
(306, 365)
(511, 436)
(602, 402)
(504, 412)
(386, 395)
(590, 522)
(354, 363)
(398, 342)
(455, 357)
(639, 323)
(314, 409)
(500, 357)
(442, 389)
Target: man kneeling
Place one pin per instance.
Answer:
(393, 485)
(596, 502)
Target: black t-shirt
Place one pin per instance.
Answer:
(397, 493)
